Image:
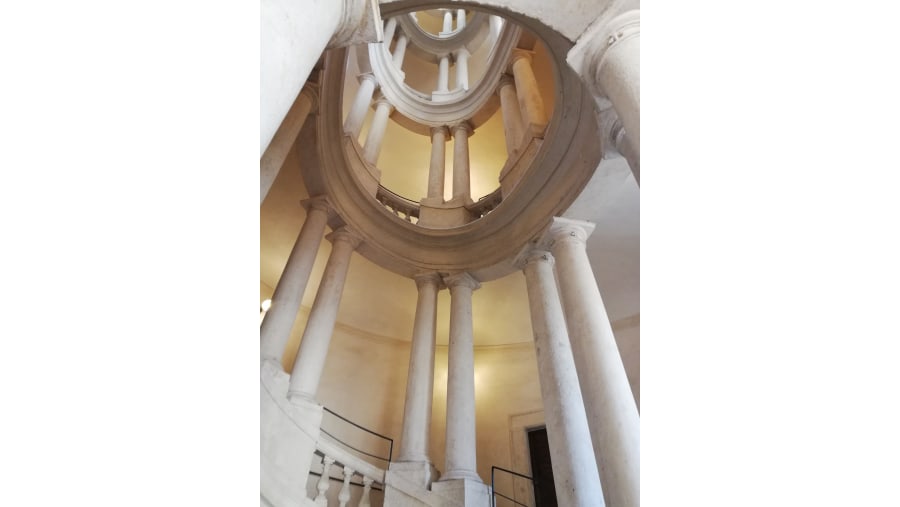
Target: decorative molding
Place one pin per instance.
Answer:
(422, 109)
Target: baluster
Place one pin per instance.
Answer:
(367, 487)
(322, 485)
(344, 495)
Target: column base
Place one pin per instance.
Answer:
(420, 473)
(464, 491)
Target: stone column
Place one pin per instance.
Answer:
(292, 37)
(460, 439)
(420, 381)
(354, 122)
(512, 116)
(530, 102)
(275, 330)
(400, 50)
(461, 133)
(462, 68)
(612, 414)
(608, 58)
(372, 148)
(436, 167)
(448, 22)
(574, 469)
(284, 138)
(460, 19)
(389, 28)
(443, 84)
(317, 336)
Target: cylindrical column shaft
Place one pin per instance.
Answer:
(444, 74)
(512, 116)
(310, 360)
(357, 115)
(275, 330)
(292, 36)
(389, 27)
(575, 474)
(460, 438)
(376, 131)
(530, 102)
(284, 139)
(460, 19)
(400, 50)
(612, 413)
(448, 22)
(436, 166)
(461, 134)
(462, 69)
(420, 381)
(618, 73)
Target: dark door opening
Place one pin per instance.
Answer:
(541, 468)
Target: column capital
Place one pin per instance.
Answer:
(506, 80)
(345, 234)
(463, 125)
(367, 76)
(590, 50)
(518, 54)
(462, 279)
(535, 256)
(565, 230)
(428, 278)
(442, 128)
(381, 99)
(319, 202)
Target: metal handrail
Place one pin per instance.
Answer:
(367, 430)
(494, 492)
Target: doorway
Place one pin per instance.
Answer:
(541, 468)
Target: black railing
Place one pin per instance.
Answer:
(494, 493)
(388, 439)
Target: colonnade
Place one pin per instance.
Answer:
(521, 104)
(584, 388)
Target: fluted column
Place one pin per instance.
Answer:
(460, 438)
(400, 50)
(512, 116)
(530, 102)
(284, 138)
(461, 133)
(372, 148)
(462, 68)
(608, 58)
(443, 84)
(354, 122)
(319, 327)
(420, 381)
(575, 474)
(292, 37)
(275, 330)
(612, 413)
(436, 167)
